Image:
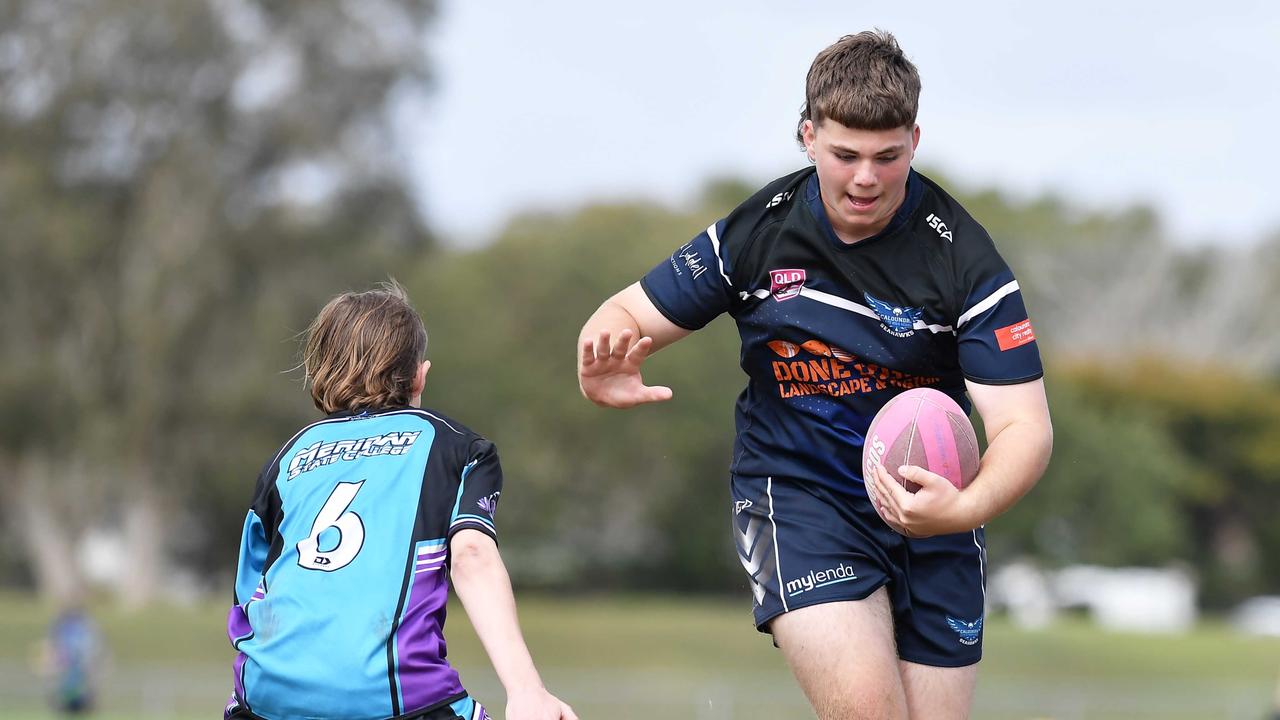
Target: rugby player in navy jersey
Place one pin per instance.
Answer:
(359, 525)
(850, 281)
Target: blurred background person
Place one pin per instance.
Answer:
(71, 658)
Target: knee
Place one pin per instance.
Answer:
(863, 704)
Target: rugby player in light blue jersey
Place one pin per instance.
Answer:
(357, 526)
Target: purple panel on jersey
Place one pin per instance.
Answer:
(238, 626)
(425, 676)
(238, 669)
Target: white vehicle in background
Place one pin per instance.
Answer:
(1258, 616)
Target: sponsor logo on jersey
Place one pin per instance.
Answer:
(779, 199)
(969, 632)
(489, 504)
(815, 368)
(786, 284)
(320, 454)
(740, 505)
(686, 256)
(896, 320)
(1015, 335)
(821, 578)
(936, 223)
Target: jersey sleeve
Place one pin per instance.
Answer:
(253, 559)
(692, 286)
(479, 487)
(997, 345)
(255, 537)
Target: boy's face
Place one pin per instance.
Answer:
(863, 174)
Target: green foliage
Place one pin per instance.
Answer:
(636, 498)
(595, 497)
(164, 242)
(168, 232)
(1226, 430)
(1113, 493)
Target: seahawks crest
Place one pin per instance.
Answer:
(969, 632)
(895, 320)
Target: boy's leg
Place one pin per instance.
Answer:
(945, 693)
(940, 640)
(843, 655)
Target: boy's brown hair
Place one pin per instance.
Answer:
(864, 82)
(363, 351)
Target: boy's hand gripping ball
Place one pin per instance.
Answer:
(926, 428)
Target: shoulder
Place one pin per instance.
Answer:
(956, 236)
(448, 431)
(943, 217)
(448, 428)
(310, 435)
(768, 205)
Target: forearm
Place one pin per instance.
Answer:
(482, 584)
(1013, 463)
(631, 309)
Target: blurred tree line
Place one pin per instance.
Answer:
(1164, 453)
(184, 184)
(181, 184)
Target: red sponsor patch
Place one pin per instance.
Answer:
(786, 284)
(1015, 335)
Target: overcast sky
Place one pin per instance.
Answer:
(558, 103)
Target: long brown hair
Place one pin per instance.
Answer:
(363, 350)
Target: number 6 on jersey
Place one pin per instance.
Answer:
(350, 532)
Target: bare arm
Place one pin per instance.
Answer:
(1019, 442)
(482, 584)
(615, 342)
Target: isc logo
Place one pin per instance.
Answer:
(779, 199)
(936, 223)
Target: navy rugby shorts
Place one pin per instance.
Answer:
(803, 544)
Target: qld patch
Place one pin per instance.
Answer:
(1015, 335)
(786, 284)
(896, 320)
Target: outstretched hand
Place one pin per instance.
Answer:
(609, 372)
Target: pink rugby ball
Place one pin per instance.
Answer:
(926, 428)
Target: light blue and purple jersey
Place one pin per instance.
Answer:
(342, 581)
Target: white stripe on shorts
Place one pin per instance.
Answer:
(777, 551)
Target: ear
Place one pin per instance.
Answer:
(810, 135)
(420, 378)
(915, 139)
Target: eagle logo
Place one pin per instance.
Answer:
(897, 320)
(969, 632)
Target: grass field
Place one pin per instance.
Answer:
(673, 657)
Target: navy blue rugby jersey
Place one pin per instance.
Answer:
(342, 579)
(831, 331)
